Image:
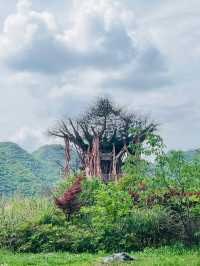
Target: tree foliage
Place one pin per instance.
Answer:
(102, 136)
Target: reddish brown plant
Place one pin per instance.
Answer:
(69, 202)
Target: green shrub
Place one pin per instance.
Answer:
(153, 205)
(18, 213)
(117, 225)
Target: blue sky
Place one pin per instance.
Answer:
(56, 56)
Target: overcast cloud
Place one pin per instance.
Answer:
(56, 56)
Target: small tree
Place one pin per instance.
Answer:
(139, 164)
(69, 202)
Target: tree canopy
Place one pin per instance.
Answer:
(108, 125)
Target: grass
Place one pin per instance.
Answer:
(150, 257)
(52, 259)
(18, 210)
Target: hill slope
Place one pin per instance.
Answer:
(29, 173)
(18, 170)
(50, 153)
(52, 159)
(53, 155)
(192, 154)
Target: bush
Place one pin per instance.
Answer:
(32, 225)
(117, 225)
(19, 217)
(173, 183)
(154, 205)
(40, 238)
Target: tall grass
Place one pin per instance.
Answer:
(18, 210)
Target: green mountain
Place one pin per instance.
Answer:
(27, 173)
(192, 154)
(54, 155)
(52, 159)
(50, 153)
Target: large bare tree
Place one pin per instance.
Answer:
(102, 137)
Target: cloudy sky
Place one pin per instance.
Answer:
(56, 56)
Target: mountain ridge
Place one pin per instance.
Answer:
(28, 173)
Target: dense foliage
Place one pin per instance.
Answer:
(156, 203)
(101, 136)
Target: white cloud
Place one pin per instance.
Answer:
(30, 138)
(24, 6)
(102, 36)
(144, 54)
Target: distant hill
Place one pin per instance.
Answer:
(19, 171)
(52, 159)
(192, 154)
(27, 173)
(53, 155)
(50, 153)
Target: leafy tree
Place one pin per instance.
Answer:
(139, 165)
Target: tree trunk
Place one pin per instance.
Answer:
(67, 157)
(114, 164)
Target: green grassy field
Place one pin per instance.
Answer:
(164, 256)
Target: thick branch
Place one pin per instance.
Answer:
(86, 133)
(78, 138)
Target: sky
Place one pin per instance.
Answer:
(57, 56)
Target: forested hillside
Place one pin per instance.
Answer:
(27, 173)
(192, 154)
(53, 155)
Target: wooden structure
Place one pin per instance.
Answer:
(101, 138)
